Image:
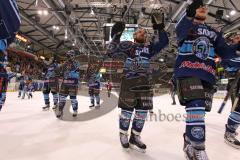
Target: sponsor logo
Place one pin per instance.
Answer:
(198, 65)
(197, 132)
(201, 48)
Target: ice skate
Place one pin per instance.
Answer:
(46, 107)
(54, 107)
(136, 143)
(194, 153)
(124, 140)
(230, 139)
(92, 106)
(75, 113)
(59, 114)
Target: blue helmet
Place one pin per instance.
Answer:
(71, 54)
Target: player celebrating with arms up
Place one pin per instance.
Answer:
(195, 73)
(136, 85)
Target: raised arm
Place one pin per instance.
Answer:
(10, 20)
(116, 33)
(158, 26)
(183, 28)
(184, 25)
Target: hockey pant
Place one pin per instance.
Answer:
(53, 88)
(64, 92)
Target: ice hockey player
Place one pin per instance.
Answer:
(27, 81)
(109, 88)
(234, 117)
(195, 73)
(136, 85)
(10, 23)
(21, 85)
(70, 74)
(94, 90)
(51, 83)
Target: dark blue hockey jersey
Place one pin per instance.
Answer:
(137, 55)
(51, 71)
(198, 45)
(94, 81)
(71, 74)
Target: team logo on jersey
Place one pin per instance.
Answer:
(197, 132)
(201, 48)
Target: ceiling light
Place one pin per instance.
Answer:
(233, 12)
(161, 60)
(227, 16)
(66, 34)
(40, 12)
(56, 27)
(45, 12)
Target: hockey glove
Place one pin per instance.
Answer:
(191, 9)
(158, 20)
(117, 30)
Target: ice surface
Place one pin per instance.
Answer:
(28, 133)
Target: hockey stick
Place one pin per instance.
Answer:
(235, 104)
(229, 93)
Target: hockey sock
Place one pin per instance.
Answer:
(19, 93)
(92, 99)
(97, 98)
(139, 120)
(55, 98)
(4, 97)
(23, 95)
(233, 122)
(62, 101)
(74, 102)
(124, 121)
(46, 98)
(195, 121)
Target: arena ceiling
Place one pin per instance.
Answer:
(45, 22)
